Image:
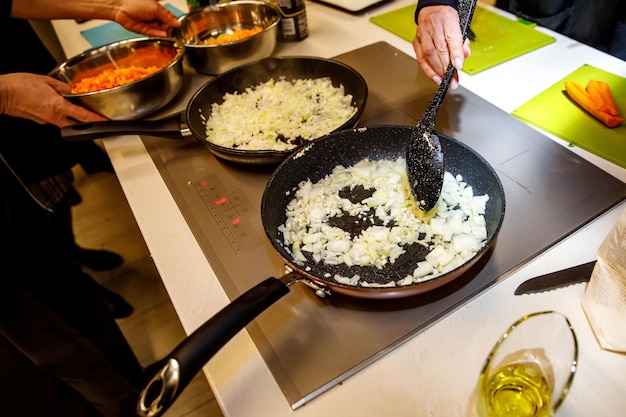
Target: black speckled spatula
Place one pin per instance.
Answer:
(424, 158)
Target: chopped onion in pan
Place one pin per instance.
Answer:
(454, 231)
(278, 115)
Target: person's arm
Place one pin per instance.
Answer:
(38, 97)
(438, 38)
(147, 17)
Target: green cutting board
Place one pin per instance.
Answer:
(498, 39)
(554, 112)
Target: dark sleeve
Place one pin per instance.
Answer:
(423, 3)
(5, 10)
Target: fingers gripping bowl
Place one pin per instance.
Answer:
(130, 100)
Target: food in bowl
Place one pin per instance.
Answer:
(124, 80)
(238, 17)
(364, 216)
(111, 78)
(236, 35)
(278, 114)
(141, 63)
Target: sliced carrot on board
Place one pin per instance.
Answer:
(582, 98)
(601, 95)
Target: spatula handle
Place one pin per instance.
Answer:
(466, 11)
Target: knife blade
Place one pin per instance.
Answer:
(558, 279)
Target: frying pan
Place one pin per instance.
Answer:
(192, 121)
(315, 161)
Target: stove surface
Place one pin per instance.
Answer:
(312, 344)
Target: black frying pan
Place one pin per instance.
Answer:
(315, 161)
(192, 121)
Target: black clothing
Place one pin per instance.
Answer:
(61, 352)
(48, 154)
(50, 313)
(423, 3)
(51, 398)
(597, 23)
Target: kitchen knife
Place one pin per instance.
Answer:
(558, 279)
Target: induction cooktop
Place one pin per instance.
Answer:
(311, 344)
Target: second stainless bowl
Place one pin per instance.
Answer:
(225, 18)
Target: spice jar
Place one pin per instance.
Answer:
(293, 24)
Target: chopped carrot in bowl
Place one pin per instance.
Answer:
(237, 35)
(110, 78)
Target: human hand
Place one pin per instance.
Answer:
(439, 41)
(146, 17)
(38, 98)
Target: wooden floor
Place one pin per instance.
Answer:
(103, 220)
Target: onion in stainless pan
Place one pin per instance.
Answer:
(192, 121)
(313, 162)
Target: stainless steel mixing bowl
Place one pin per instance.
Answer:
(138, 98)
(226, 18)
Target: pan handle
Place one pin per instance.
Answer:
(187, 359)
(171, 127)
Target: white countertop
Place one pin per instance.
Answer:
(435, 372)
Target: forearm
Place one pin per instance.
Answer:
(141, 16)
(65, 9)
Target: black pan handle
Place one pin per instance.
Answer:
(172, 127)
(188, 358)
